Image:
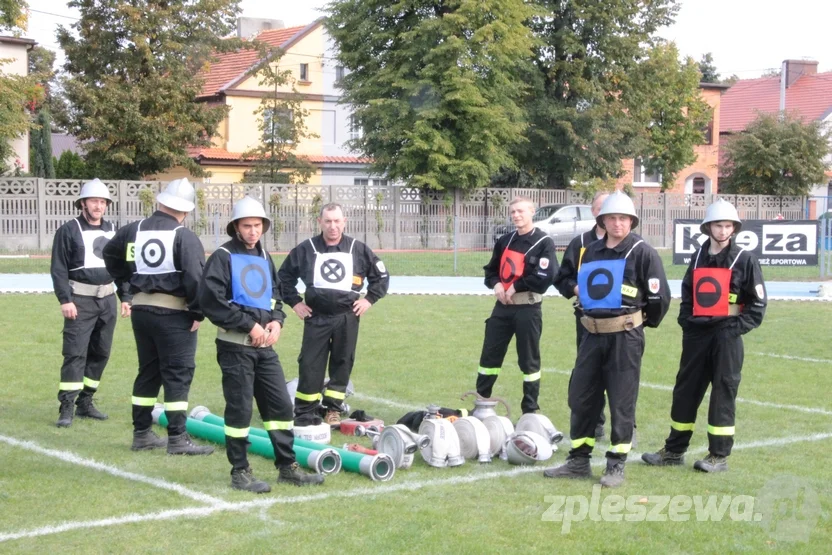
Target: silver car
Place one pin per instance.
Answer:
(562, 222)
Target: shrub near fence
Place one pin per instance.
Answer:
(385, 217)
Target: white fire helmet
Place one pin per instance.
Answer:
(247, 207)
(720, 211)
(539, 424)
(401, 444)
(474, 439)
(499, 428)
(93, 189)
(444, 449)
(528, 448)
(618, 203)
(178, 195)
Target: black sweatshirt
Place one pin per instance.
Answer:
(541, 262)
(69, 255)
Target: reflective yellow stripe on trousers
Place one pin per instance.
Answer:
(489, 371)
(682, 427)
(531, 377)
(278, 425)
(308, 397)
(583, 440)
(144, 401)
(91, 383)
(334, 394)
(176, 405)
(623, 448)
(236, 432)
(721, 430)
(71, 386)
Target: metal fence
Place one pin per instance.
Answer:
(384, 217)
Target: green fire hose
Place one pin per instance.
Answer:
(326, 461)
(378, 468)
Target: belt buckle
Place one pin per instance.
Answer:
(628, 323)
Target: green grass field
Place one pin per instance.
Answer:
(436, 263)
(412, 351)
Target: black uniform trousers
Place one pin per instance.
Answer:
(611, 362)
(525, 323)
(580, 333)
(326, 338)
(166, 347)
(249, 372)
(709, 357)
(86, 346)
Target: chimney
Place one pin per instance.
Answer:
(248, 27)
(790, 72)
(794, 69)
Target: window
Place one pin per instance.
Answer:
(586, 213)
(545, 212)
(355, 128)
(360, 182)
(698, 186)
(568, 214)
(304, 72)
(339, 73)
(644, 176)
(277, 121)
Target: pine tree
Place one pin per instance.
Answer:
(40, 147)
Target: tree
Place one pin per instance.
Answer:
(671, 120)
(580, 123)
(40, 147)
(71, 166)
(777, 154)
(17, 94)
(13, 14)
(41, 62)
(282, 127)
(133, 77)
(708, 69)
(435, 85)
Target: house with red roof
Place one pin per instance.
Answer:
(799, 89)
(309, 54)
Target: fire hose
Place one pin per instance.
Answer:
(378, 468)
(324, 461)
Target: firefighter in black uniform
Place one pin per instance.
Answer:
(240, 294)
(160, 261)
(566, 280)
(621, 285)
(88, 303)
(521, 269)
(723, 298)
(333, 266)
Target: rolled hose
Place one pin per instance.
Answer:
(326, 461)
(379, 468)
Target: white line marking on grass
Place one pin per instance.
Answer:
(197, 512)
(72, 458)
(387, 402)
(789, 357)
(201, 512)
(662, 387)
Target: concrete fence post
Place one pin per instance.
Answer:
(40, 186)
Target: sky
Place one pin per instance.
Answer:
(745, 37)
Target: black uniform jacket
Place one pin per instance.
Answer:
(68, 253)
(300, 264)
(188, 260)
(215, 291)
(567, 276)
(541, 262)
(746, 283)
(643, 268)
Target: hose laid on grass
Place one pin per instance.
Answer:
(322, 461)
(378, 468)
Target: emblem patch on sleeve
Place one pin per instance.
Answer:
(380, 266)
(761, 292)
(544, 263)
(654, 285)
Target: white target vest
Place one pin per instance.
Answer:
(94, 241)
(154, 251)
(333, 270)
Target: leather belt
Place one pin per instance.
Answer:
(90, 290)
(526, 297)
(236, 337)
(625, 322)
(162, 300)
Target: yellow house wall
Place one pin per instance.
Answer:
(242, 124)
(219, 174)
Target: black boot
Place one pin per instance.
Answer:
(575, 467)
(712, 463)
(292, 474)
(663, 457)
(67, 410)
(86, 409)
(182, 445)
(244, 480)
(146, 440)
(613, 474)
